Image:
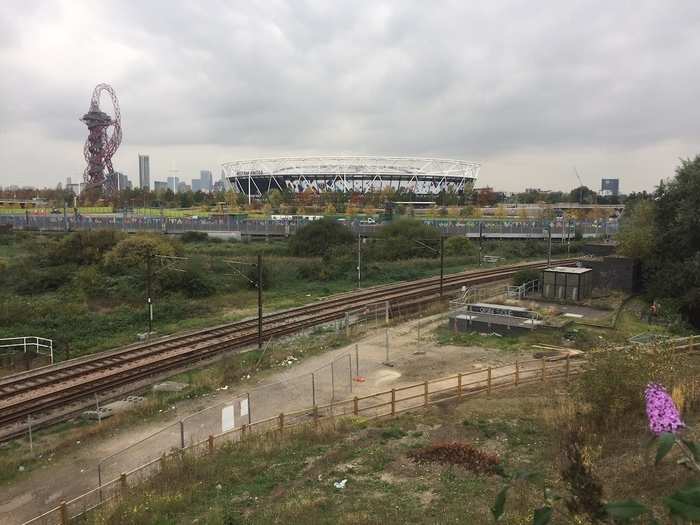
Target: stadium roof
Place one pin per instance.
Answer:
(351, 173)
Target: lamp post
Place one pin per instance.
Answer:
(359, 260)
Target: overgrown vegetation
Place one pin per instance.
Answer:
(87, 290)
(445, 464)
(664, 231)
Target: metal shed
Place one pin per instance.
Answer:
(567, 284)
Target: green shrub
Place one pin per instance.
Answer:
(317, 237)
(29, 280)
(613, 381)
(459, 246)
(188, 237)
(524, 276)
(405, 239)
(83, 247)
(133, 251)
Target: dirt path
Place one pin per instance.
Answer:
(411, 359)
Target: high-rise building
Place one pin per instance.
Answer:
(207, 180)
(123, 182)
(610, 187)
(160, 186)
(77, 188)
(183, 187)
(144, 172)
(197, 185)
(173, 183)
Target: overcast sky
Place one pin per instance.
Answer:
(529, 89)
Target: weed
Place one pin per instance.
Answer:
(461, 454)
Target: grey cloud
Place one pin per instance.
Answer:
(450, 78)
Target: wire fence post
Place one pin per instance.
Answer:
(350, 370)
(488, 381)
(313, 389)
(65, 518)
(357, 361)
(281, 422)
(182, 434)
(459, 385)
(386, 312)
(250, 408)
(567, 368)
(393, 402)
(386, 343)
(517, 373)
(123, 484)
(347, 324)
(99, 479)
(425, 393)
(332, 383)
(355, 406)
(316, 416)
(210, 443)
(543, 373)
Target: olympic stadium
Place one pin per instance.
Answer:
(420, 176)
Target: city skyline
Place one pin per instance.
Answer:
(606, 89)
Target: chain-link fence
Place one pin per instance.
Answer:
(320, 387)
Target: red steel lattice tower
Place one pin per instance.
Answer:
(101, 145)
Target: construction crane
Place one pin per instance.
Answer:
(580, 187)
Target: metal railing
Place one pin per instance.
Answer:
(524, 289)
(473, 229)
(41, 345)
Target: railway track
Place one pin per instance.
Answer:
(38, 392)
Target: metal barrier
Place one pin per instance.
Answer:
(41, 345)
(268, 228)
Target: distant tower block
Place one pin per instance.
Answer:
(100, 145)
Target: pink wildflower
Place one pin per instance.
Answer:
(662, 413)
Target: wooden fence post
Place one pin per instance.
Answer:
(488, 381)
(543, 373)
(123, 485)
(315, 416)
(211, 443)
(355, 406)
(459, 385)
(567, 368)
(517, 373)
(425, 393)
(244, 427)
(281, 422)
(65, 518)
(691, 343)
(393, 402)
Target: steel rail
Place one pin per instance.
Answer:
(171, 354)
(12, 385)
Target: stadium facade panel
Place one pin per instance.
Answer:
(421, 176)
